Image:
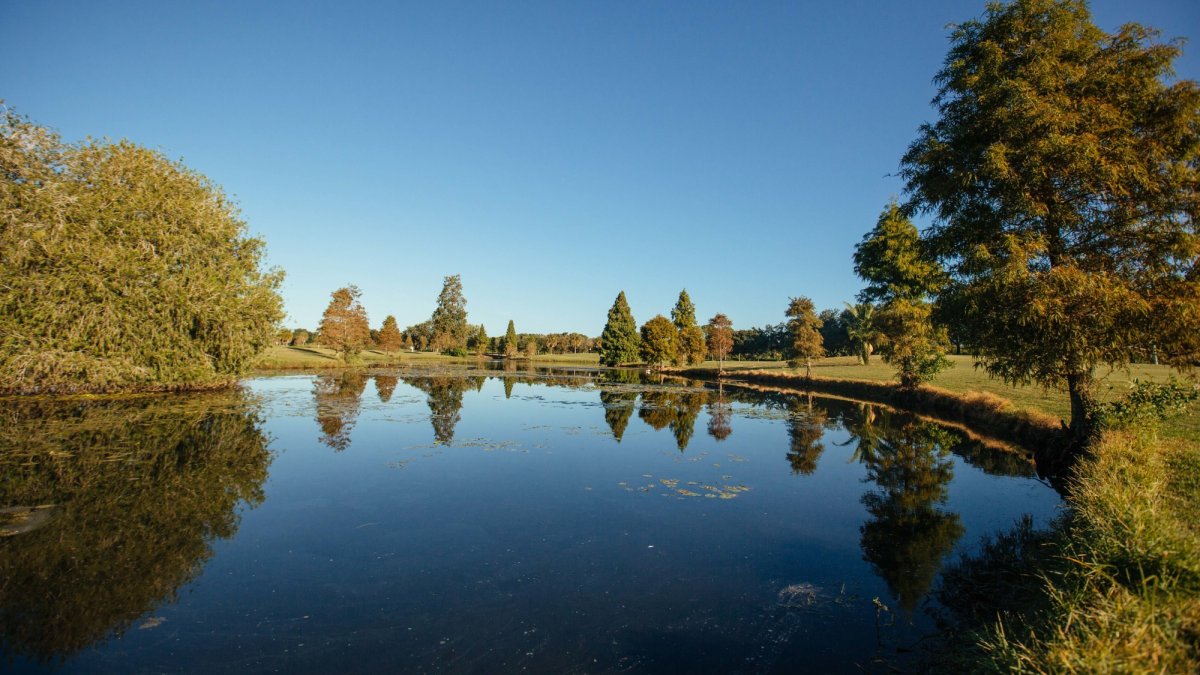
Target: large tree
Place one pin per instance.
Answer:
(619, 343)
(690, 344)
(804, 327)
(449, 320)
(1062, 173)
(344, 325)
(720, 339)
(389, 335)
(121, 269)
(659, 341)
(890, 258)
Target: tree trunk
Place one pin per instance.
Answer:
(808, 369)
(1079, 387)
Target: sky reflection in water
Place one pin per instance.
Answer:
(484, 521)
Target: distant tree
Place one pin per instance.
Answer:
(862, 328)
(283, 336)
(659, 337)
(510, 341)
(408, 343)
(531, 346)
(834, 335)
(720, 339)
(449, 320)
(620, 343)
(890, 259)
(344, 326)
(481, 340)
(299, 337)
(389, 335)
(1062, 175)
(690, 344)
(805, 330)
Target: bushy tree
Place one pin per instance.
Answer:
(620, 343)
(481, 340)
(389, 335)
(511, 349)
(891, 260)
(300, 337)
(720, 339)
(690, 346)
(659, 337)
(1062, 174)
(805, 330)
(449, 320)
(344, 325)
(122, 270)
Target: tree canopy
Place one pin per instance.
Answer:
(449, 320)
(389, 335)
(720, 338)
(344, 325)
(620, 343)
(659, 341)
(805, 330)
(1062, 173)
(510, 340)
(122, 270)
(690, 345)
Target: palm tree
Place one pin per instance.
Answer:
(861, 328)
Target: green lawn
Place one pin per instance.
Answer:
(963, 376)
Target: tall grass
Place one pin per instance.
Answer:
(1114, 586)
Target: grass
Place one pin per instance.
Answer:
(964, 377)
(1113, 586)
(311, 357)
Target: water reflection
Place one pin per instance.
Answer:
(338, 397)
(806, 428)
(719, 413)
(908, 534)
(618, 408)
(385, 385)
(133, 493)
(445, 398)
(662, 408)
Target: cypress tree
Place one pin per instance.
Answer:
(691, 347)
(620, 342)
(510, 340)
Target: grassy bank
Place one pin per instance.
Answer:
(317, 358)
(1113, 586)
(964, 377)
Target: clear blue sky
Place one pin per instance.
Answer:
(552, 153)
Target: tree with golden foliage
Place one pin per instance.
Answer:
(122, 270)
(1062, 174)
(659, 337)
(804, 329)
(344, 326)
(720, 339)
(389, 335)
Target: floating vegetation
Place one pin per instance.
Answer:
(713, 490)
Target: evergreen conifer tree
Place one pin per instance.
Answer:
(620, 342)
(510, 340)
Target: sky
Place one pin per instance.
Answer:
(552, 153)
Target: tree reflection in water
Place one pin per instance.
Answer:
(908, 534)
(445, 398)
(618, 408)
(385, 385)
(676, 409)
(338, 397)
(719, 412)
(806, 428)
(137, 490)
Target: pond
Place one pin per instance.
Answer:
(475, 520)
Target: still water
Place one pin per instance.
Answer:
(486, 521)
